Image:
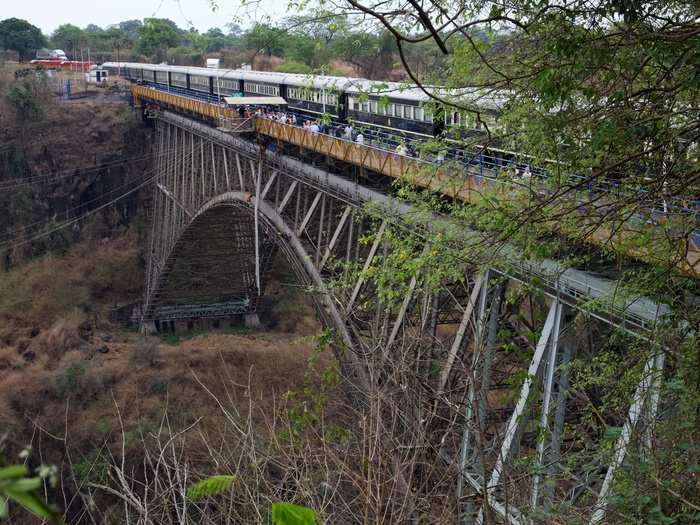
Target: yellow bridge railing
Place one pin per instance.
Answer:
(186, 104)
(452, 181)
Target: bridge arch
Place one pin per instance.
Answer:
(273, 226)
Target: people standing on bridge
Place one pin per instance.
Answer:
(348, 132)
(313, 128)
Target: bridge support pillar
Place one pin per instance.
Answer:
(148, 328)
(251, 320)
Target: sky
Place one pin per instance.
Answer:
(49, 14)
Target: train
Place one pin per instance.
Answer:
(386, 106)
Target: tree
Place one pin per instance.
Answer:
(21, 36)
(156, 36)
(216, 40)
(264, 38)
(199, 43)
(69, 37)
(234, 30)
(131, 28)
(372, 52)
(92, 28)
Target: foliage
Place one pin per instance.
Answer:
(266, 39)
(69, 38)
(306, 413)
(156, 36)
(71, 380)
(18, 486)
(294, 67)
(209, 487)
(26, 101)
(21, 36)
(290, 514)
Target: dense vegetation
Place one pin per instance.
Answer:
(299, 44)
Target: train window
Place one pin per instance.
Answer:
(428, 116)
(263, 89)
(365, 107)
(373, 106)
(418, 113)
(391, 110)
(199, 83)
(227, 84)
(381, 109)
(179, 79)
(408, 112)
(399, 110)
(351, 103)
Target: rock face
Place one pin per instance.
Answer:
(82, 154)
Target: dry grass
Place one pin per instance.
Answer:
(89, 403)
(90, 276)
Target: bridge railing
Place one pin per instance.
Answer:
(187, 104)
(470, 183)
(466, 182)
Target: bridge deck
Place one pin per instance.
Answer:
(467, 183)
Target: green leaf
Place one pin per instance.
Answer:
(4, 507)
(32, 503)
(612, 433)
(13, 472)
(26, 485)
(290, 514)
(211, 486)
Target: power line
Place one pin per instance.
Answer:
(63, 174)
(8, 244)
(76, 219)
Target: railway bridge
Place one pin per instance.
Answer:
(224, 207)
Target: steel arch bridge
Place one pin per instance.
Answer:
(223, 207)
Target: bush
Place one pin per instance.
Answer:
(145, 352)
(26, 102)
(71, 379)
(294, 67)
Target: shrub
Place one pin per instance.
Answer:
(294, 67)
(71, 379)
(26, 102)
(145, 352)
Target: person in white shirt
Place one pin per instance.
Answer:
(313, 128)
(347, 133)
(401, 150)
(360, 139)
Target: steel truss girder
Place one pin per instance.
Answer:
(315, 217)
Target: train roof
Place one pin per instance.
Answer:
(483, 98)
